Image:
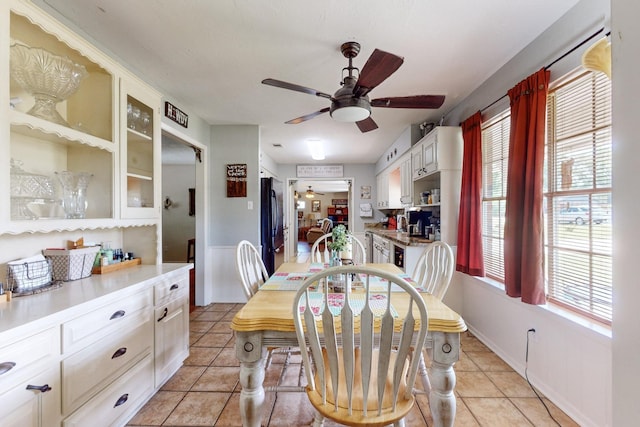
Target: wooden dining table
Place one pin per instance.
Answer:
(266, 321)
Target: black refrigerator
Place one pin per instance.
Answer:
(271, 220)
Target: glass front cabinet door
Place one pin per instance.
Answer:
(140, 151)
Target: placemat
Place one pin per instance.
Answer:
(293, 281)
(377, 302)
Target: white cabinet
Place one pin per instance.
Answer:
(406, 181)
(34, 402)
(113, 338)
(140, 151)
(440, 156)
(382, 187)
(30, 381)
(92, 351)
(77, 163)
(394, 185)
(47, 137)
(171, 327)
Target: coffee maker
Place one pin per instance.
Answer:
(418, 220)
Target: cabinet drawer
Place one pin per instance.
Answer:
(22, 358)
(87, 371)
(22, 407)
(93, 326)
(119, 401)
(170, 288)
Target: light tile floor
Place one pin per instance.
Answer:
(206, 391)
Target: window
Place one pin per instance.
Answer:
(495, 154)
(577, 195)
(578, 232)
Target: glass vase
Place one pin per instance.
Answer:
(74, 193)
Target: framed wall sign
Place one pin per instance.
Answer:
(315, 206)
(319, 171)
(237, 180)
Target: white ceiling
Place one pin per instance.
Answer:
(211, 57)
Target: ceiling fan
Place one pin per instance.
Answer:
(350, 103)
(310, 194)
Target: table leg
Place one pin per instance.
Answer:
(252, 357)
(442, 401)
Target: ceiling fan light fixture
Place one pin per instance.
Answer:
(350, 109)
(309, 195)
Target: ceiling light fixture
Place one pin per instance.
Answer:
(348, 108)
(316, 149)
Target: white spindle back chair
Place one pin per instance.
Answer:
(354, 355)
(250, 268)
(434, 269)
(320, 251)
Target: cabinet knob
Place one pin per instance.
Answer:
(121, 400)
(6, 367)
(42, 388)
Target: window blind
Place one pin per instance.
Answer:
(578, 238)
(495, 154)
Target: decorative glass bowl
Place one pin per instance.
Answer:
(49, 78)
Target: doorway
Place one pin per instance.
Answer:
(303, 211)
(182, 180)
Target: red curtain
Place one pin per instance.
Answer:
(523, 240)
(469, 257)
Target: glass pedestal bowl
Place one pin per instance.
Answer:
(49, 78)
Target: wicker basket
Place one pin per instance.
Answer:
(71, 264)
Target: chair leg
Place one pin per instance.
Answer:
(318, 420)
(424, 375)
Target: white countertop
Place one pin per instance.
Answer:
(32, 310)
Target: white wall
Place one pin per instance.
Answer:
(626, 211)
(177, 225)
(570, 360)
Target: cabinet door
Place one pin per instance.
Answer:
(430, 156)
(171, 337)
(382, 182)
(416, 162)
(406, 182)
(34, 402)
(140, 151)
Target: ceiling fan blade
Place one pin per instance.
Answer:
(416, 101)
(297, 88)
(378, 67)
(367, 125)
(307, 117)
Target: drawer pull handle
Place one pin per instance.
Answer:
(164, 314)
(6, 367)
(174, 287)
(122, 399)
(42, 388)
(117, 315)
(119, 352)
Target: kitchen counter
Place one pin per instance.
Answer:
(402, 238)
(47, 306)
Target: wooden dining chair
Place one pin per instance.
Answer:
(253, 273)
(250, 268)
(433, 272)
(360, 346)
(434, 269)
(320, 251)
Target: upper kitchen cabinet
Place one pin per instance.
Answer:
(140, 150)
(59, 144)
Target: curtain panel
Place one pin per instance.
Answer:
(470, 256)
(523, 238)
